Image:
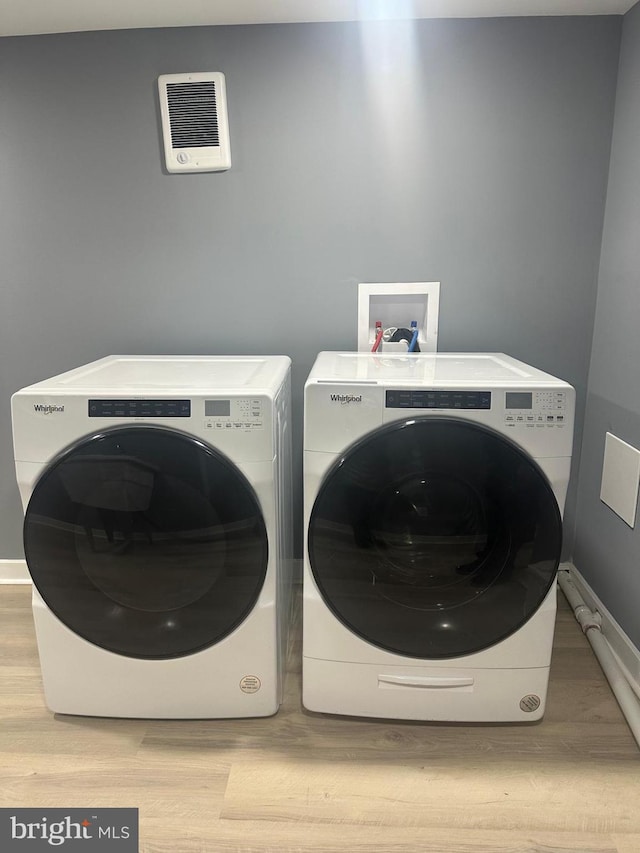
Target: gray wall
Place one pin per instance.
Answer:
(607, 551)
(472, 152)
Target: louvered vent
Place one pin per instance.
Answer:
(194, 122)
(193, 114)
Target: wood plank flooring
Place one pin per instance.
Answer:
(308, 782)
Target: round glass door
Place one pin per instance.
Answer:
(146, 542)
(434, 538)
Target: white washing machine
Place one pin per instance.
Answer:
(434, 486)
(157, 533)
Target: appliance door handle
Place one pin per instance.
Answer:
(426, 681)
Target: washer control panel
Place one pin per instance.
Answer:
(535, 409)
(239, 413)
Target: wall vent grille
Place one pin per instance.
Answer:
(193, 114)
(194, 122)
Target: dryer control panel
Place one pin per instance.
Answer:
(239, 413)
(535, 408)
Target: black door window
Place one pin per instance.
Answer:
(146, 542)
(434, 538)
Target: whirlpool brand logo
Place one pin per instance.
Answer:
(73, 829)
(43, 409)
(345, 399)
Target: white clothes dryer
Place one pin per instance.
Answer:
(157, 533)
(434, 486)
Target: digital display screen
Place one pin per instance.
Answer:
(217, 408)
(519, 400)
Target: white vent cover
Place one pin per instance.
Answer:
(194, 122)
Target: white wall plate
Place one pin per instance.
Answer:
(620, 478)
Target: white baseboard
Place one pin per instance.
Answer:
(14, 571)
(624, 650)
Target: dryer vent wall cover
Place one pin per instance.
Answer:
(195, 125)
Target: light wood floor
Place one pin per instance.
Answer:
(308, 782)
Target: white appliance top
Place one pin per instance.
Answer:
(138, 373)
(436, 369)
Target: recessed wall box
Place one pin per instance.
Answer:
(620, 478)
(195, 126)
(396, 305)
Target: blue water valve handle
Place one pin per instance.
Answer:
(414, 336)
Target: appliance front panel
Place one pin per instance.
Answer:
(434, 538)
(540, 421)
(146, 542)
(336, 414)
(240, 426)
(238, 677)
(424, 693)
